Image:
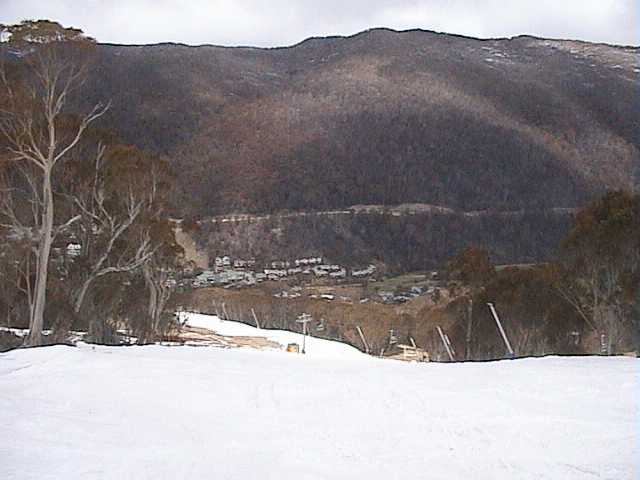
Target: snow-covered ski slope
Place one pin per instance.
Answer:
(206, 413)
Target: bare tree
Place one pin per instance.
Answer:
(122, 231)
(105, 224)
(161, 270)
(52, 64)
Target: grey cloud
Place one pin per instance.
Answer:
(284, 22)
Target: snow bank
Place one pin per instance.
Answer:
(204, 413)
(315, 347)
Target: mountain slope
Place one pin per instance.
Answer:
(382, 117)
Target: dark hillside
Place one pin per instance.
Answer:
(383, 117)
(421, 240)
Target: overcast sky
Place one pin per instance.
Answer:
(284, 22)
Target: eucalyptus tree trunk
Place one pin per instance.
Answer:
(159, 293)
(36, 322)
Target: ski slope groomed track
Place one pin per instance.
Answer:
(162, 412)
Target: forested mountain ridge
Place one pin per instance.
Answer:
(382, 117)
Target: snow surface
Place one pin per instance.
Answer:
(161, 412)
(315, 347)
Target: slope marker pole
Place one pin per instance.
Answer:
(364, 340)
(446, 344)
(255, 317)
(502, 332)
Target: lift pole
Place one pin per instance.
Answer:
(304, 319)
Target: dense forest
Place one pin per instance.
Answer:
(382, 117)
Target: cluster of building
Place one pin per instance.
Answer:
(228, 271)
(410, 294)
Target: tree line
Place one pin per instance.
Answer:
(585, 300)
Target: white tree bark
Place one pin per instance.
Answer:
(157, 282)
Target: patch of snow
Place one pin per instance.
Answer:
(19, 332)
(315, 347)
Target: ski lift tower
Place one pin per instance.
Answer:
(304, 318)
